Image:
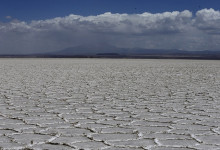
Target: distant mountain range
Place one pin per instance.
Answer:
(87, 50)
(115, 52)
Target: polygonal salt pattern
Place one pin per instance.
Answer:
(109, 104)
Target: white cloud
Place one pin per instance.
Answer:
(121, 23)
(208, 20)
(168, 30)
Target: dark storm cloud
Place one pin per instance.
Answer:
(168, 30)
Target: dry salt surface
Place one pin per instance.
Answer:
(110, 104)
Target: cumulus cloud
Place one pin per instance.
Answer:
(168, 30)
(121, 23)
(208, 20)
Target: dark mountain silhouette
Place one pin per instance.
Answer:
(103, 51)
(111, 50)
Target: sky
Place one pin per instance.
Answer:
(38, 26)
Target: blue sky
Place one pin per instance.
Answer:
(27, 10)
(37, 26)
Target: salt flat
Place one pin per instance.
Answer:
(109, 104)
